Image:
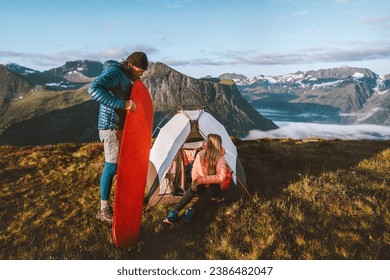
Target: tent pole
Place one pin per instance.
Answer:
(158, 126)
(240, 182)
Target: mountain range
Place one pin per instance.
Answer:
(345, 95)
(53, 106)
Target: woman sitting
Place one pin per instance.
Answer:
(208, 173)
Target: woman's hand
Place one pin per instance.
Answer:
(194, 185)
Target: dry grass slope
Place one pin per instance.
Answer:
(311, 200)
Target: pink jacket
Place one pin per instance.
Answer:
(199, 170)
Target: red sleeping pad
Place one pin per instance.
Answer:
(132, 168)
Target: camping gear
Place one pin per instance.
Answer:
(175, 147)
(133, 168)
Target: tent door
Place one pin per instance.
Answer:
(174, 180)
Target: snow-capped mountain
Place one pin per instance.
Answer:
(72, 75)
(78, 71)
(21, 70)
(313, 79)
(341, 95)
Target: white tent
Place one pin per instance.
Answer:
(185, 132)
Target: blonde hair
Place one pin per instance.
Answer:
(213, 152)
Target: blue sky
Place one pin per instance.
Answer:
(200, 37)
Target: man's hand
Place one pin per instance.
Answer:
(130, 105)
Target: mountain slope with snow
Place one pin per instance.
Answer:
(339, 95)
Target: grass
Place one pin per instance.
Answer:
(312, 199)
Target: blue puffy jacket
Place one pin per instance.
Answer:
(111, 89)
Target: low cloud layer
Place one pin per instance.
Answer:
(326, 131)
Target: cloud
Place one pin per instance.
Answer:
(359, 54)
(375, 19)
(309, 56)
(145, 48)
(192, 62)
(222, 58)
(20, 54)
(326, 131)
(174, 4)
(282, 1)
(376, 22)
(61, 57)
(302, 13)
(114, 24)
(299, 57)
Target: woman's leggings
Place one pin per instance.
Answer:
(205, 195)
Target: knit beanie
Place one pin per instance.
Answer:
(138, 59)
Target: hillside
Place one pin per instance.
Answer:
(47, 117)
(11, 87)
(312, 199)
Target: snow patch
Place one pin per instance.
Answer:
(358, 75)
(328, 84)
(270, 79)
(30, 71)
(74, 72)
(60, 84)
(380, 85)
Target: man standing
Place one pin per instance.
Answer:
(112, 90)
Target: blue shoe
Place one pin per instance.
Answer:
(188, 216)
(171, 218)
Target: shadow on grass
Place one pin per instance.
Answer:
(270, 165)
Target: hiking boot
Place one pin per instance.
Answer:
(171, 218)
(105, 215)
(188, 216)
